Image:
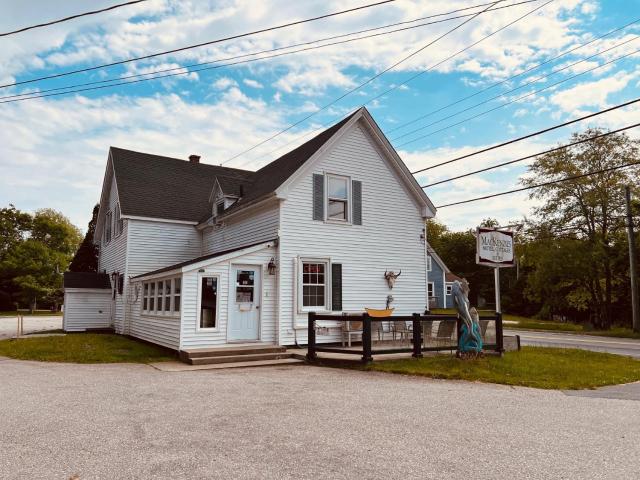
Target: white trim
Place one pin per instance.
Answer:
(88, 290)
(327, 285)
(228, 256)
(200, 276)
(429, 263)
(155, 312)
(257, 295)
(348, 220)
(155, 219)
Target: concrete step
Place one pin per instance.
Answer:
(230, 351)
(183, 367)
(244, 358)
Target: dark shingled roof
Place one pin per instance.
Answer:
(199, 259)
(163, 187)
(86, 280)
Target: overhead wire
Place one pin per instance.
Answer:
(197, 45)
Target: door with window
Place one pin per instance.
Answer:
(244, 318)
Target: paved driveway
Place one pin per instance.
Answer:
(620, 346)
(300, 422)
(9, 325)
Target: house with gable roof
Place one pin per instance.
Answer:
(199, 255)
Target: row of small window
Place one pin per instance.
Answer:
(448, 289)
(113, 225)
(162, 296)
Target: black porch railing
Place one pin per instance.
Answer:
(419, 337)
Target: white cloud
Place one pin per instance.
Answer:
(252, 83)
(224, 83)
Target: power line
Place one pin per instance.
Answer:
(189, 47)
(72, 17)
(544, 184)
(510, 162)
(534, 67)
(410, 79)
(183, 70)
(524, 137)
(369, 80)
(519, 98)
(535, 80)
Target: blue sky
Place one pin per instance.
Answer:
(53, 150)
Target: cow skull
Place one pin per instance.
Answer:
(390, 277)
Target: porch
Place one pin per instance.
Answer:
(398, 336)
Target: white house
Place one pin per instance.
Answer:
(201, 255)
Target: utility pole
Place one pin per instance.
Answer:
(633, 265)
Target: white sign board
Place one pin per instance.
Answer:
(494, 247)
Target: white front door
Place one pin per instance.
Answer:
(244, 318)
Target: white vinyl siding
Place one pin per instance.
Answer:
(261, 226)
(86, 309)
(192, 336)
(389, 237)
(154, 245)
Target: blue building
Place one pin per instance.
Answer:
(440, 281)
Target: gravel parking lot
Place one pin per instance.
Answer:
(132, 421)
(31, 324)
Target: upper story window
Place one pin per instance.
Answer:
(220, 207)
(338, 198)
(108, 220)
(118, 222)
(429, 263)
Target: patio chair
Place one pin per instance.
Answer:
(377, 330)
(349, 329)
(401, 329)
(484, 324)
(445, 333)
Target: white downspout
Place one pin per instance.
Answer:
(426, 265)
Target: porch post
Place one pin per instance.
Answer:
(417, 336)
(366, 338)
(311, 337)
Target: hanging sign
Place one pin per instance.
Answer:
(494, 247)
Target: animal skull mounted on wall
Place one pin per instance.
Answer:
(390, 277)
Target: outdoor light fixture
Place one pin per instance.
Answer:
(271, 267)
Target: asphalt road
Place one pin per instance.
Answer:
(32, 324)
(620, 346)
(300, 422)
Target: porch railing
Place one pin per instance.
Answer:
(418, 343)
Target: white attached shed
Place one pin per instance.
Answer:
(87, 301)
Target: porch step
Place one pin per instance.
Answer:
(242, 358)
(186, 355)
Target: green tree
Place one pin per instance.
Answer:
(32, 265)
(14, 226)
(86, 258)
(593, 208)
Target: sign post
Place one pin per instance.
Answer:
(495, 248)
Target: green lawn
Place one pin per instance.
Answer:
(37, 313)
(515, 322)
(537, 367)
(84, 348)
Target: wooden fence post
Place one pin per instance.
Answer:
(311, 337)
(366, 338)
(417, 336)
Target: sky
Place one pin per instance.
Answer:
(53, 150)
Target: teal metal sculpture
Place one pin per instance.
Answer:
(470, 340)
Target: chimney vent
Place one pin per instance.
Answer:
(194, 158)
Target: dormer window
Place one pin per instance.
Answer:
(220, 207)
(338, 198)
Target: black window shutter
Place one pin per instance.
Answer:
(336, 286)
(318, 196)
(356, 195)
